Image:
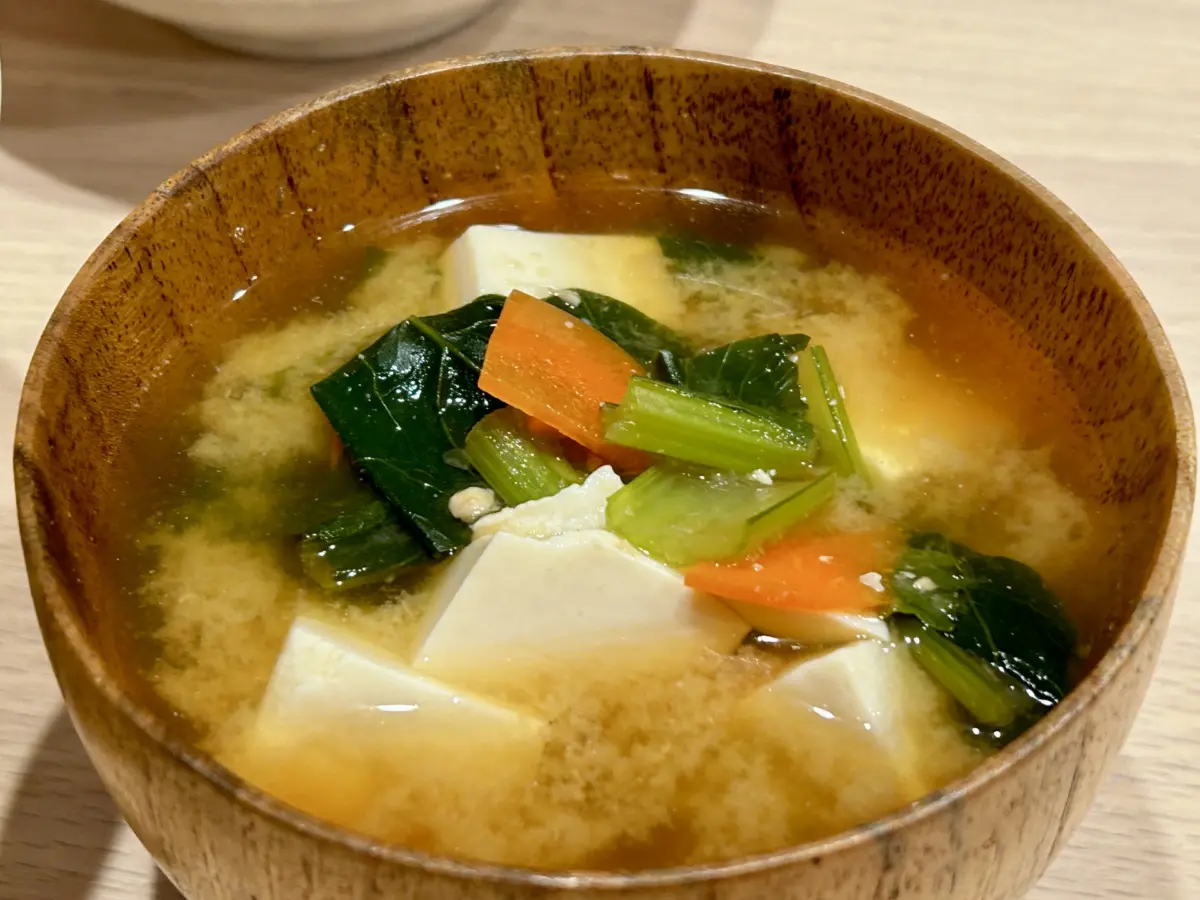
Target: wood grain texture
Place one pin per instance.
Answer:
(1102, 105)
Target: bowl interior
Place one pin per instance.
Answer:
(546, 123)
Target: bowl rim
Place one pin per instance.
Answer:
(1155, 600)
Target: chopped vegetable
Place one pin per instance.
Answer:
(404, 402)
(465, 331)
(560, 370)
(669, 367)
(991, 697)
(811, 572)
(364, 545)
(690, 251)
(827, 412)
(993, 607)
(758, 372)
(673, 421)
(681, 516)
(627, 327)
(518, 465)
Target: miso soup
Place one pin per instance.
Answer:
(580, 535)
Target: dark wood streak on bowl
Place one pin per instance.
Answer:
(541, 122)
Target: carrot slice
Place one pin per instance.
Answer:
(810, 572)
(559, 370)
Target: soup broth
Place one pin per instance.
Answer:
(637, 754)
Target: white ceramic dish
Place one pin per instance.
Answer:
(312, 29)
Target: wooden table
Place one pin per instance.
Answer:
(1098, 100)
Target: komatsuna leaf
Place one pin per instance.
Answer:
(670, 368)
(404, 403)
(363, 545)
(690, 251)
(627, 327)
(992, 606)
(758, 372)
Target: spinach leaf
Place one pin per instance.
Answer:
(993, 607)
(689, 251)
(407, 400)
(629, 328)
(364, 545)
(758, 372)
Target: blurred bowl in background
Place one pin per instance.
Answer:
(312, 29)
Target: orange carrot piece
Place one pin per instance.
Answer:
(558, 370)
(805, 571)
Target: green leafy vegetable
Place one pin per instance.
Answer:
(991, 697)
(758, 372)
(669, 367)
(683, 515)
(516, 464)
(407, 400)
(464, 331)
(690, 251)
(827, 412)
(993, 607)
(629, 328)
(364, 545)
(673, 421)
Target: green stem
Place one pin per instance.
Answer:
(672, 421)
(827, 412)
(682, 516)
(517, 465)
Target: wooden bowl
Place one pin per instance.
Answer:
(544, 121)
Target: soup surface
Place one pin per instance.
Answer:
(687, 663)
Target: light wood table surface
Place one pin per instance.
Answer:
(1097, 99)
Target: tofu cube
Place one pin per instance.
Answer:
(866, 686)
(576, 508)
(814, 628)
(911, 421)
(325, 674)
(487, 259)
(510, 603)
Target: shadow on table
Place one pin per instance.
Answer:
(60, 823)
(114, 103)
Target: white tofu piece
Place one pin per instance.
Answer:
(488, 259)
(911, 420)
(575, 508)
(325, 674)
(511, 603)
(864, 685)
(814, 628)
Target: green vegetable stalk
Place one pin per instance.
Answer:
(517, 465)
(990, 696)
(673, 421)
(682, 516)
(827, 412)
